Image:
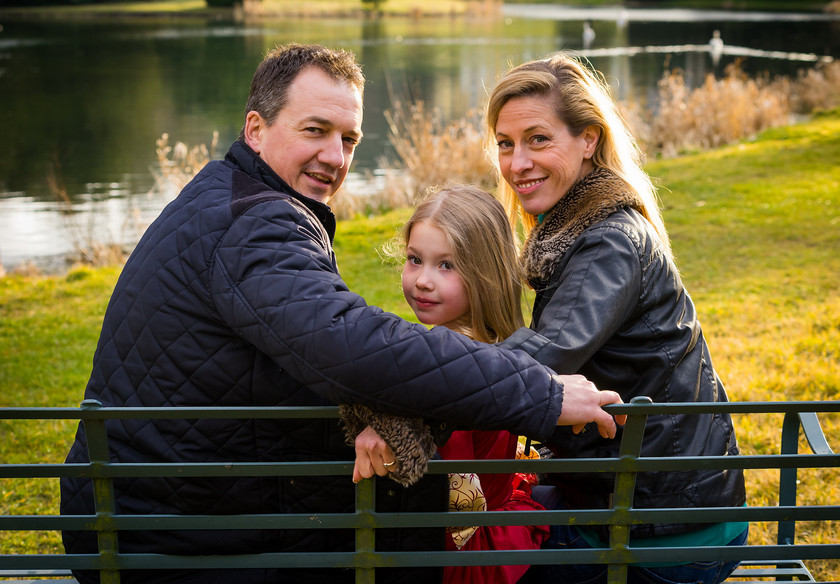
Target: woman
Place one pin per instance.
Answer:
(610, 305)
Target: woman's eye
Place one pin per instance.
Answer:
(539, 139)
(504, 144)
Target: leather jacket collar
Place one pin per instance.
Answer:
(592, 199)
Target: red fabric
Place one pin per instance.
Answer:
(501, 496)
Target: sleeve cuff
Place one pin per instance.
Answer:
(410, 439)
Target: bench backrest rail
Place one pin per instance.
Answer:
(800, 418)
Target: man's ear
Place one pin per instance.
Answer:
(591, 135)
(254, 126)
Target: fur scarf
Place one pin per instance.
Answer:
(409, 438)
(591, 200)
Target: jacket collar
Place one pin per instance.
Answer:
(250, 162)
(591, 200)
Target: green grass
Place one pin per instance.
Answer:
(363, 265)
(756, 228)
(756, 231)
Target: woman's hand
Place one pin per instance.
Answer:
(373, 456)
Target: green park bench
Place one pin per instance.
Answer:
(781, 561)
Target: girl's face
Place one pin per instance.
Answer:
(538, 156)
(430, 280)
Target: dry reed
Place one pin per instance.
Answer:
(375, 194)
(432, 152)
(816, 89)
(177, 165)
(88, 247)
(719, 112)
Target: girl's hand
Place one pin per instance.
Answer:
(373, 456)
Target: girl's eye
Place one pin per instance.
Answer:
(447, 265)
(412, 259)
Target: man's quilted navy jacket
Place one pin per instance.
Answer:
(233, 298)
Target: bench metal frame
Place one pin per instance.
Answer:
(782, 561)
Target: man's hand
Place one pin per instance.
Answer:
(372, 455)
(582, 403)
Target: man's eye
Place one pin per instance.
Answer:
(314, 130)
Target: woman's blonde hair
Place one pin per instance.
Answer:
(582, 98)
(484, 253)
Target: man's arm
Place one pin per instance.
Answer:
(582, 404)
(276, 286)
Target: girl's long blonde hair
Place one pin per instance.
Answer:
(484, 253)
(582, 98)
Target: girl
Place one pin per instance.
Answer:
(461, 272)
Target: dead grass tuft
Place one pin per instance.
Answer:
(177, 165)
(88, 248)
(390, 190)
(816, 89)
(719, 112)
(432, 151)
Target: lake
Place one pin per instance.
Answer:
(82, 102)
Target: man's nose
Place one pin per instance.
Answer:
(332, 153)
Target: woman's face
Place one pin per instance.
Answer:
(538, 156)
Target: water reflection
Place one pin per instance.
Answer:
(82, 103)
(623, 15)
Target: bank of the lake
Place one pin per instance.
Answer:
(756, 231)
(200, 9)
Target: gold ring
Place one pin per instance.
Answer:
(392, 463)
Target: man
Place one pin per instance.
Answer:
(233, 298)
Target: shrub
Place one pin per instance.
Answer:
(816, 89)
(719, 112)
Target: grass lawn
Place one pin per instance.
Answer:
(756, 231)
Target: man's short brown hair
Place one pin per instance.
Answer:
(280, 67)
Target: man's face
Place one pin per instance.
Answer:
(310, 145)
